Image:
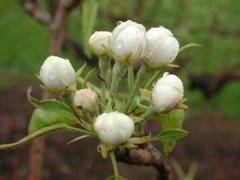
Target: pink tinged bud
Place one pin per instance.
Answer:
(57, 73)
(99, 40)
(161, 47)
(128, 41)
(114, 128)
(167, 92)
(86, 99)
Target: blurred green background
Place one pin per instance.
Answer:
(24, 43)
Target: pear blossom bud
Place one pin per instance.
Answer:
(57, 73)
(99, 40)
(114, 128)
(168, 91)
(128, 41)
(86, 99)
(161, 46)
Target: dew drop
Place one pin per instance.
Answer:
(119, 22)
(119, 44)
(149, 37)
(138, 33)
(154, 84)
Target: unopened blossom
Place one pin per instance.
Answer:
(99, 41)
(161, 46)
(128, 41)
(168, 91)
(114, 128)
(86, 99)
(57, 73)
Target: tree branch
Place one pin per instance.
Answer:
(146, 155)
(34, 10)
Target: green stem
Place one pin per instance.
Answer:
(154, 78)
(139, 132)
(119, 70)
(67, 98)
(114, 163)
(149, 113)
(144, 73)
(87, 116)
(104, 65)
(130, 78)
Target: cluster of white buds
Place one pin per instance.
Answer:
(57, 74)
(130, 42)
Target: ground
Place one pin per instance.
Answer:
(213, 142)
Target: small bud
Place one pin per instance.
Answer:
(57, 73)
(114, 128)
(86, 99)
(161, 46)
(98, 41)
(128, 41)
(167, 92)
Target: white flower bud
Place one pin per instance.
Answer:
(57, 73)
(98, 40)
(168, 91)
(86, 99)
(161, 46)
(114, 128)
(128, 41)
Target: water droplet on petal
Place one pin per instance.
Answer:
(138, 33)
(119, 22)
(119, 44)
(154, 84)
(149, 37)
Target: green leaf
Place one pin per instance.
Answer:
(89, 14)
(78, 138)
(116, 178)
(172, 120)
(35, 135)
(41, 119)
(44, 131)
(48, 105)
(171, 135)
(187, 46)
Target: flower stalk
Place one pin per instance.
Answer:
(119, 70)
(104, 65)
(114, 163)
(143, 75)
